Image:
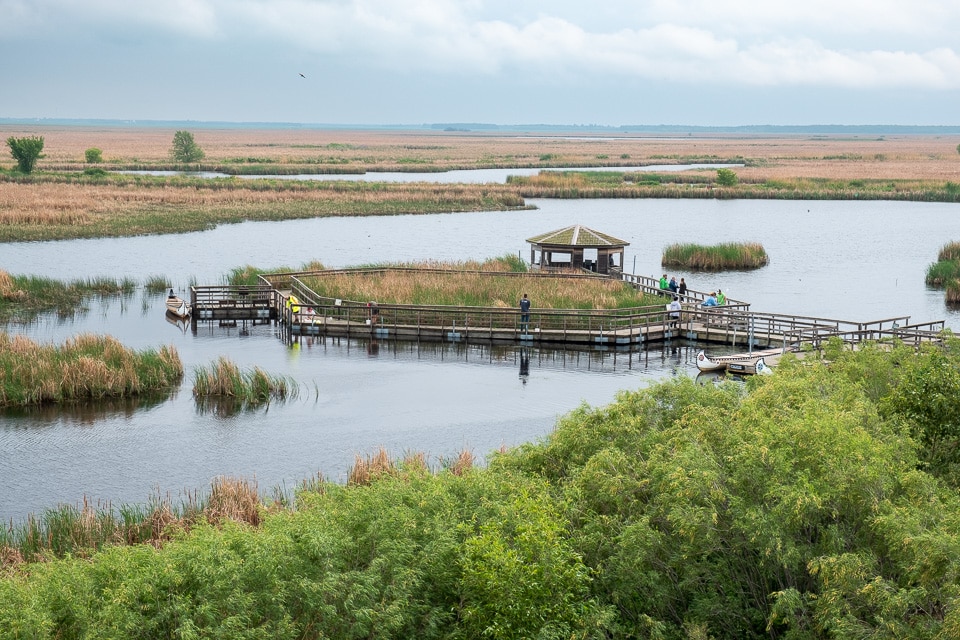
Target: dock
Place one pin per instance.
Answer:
(284, 299)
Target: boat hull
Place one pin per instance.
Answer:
(741, 363)
(178, 307)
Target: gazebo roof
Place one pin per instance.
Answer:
(577, 236)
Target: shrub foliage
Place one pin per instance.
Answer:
(26, 151)
(817, 502)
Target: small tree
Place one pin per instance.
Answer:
(93, 155)
(26, 151)
(185, 149)
(726, 177)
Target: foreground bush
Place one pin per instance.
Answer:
(818, 502)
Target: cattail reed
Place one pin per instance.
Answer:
(721, 257)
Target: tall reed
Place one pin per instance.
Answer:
(83, 529)
(477, 289)
(942, 272)
(952, 295)
(253, 387)
(85, 367)
(26, 296)
(721, 257)
(950, 251)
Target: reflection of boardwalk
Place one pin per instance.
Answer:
(520, 359)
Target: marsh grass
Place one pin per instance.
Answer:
(48, 205)
(85, 367)
(23, 297)
(48, 208)
(721, 257)
(250, 275)
(952, 295)
(942, 272)
(950, 251)
(458, 285)
(84, 529)
(157, 284)
(250, 388)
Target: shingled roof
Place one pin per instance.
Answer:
(577, 236)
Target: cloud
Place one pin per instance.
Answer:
(853, 44)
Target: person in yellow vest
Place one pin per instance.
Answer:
(293, 305)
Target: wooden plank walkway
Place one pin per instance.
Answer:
(733, 324)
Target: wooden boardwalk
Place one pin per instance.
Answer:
(733, 324)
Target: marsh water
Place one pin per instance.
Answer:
(851, 260)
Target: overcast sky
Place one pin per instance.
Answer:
(609, 62)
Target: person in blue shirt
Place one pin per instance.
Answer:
(711, 300)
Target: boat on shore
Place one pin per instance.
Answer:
(178, 307)
(740, 363)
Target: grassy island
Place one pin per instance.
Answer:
(722, 257)
(86, 367)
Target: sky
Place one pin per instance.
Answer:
(581, 62)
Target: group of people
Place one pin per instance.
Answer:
(715, 299)
(679, 290)
(673, 286)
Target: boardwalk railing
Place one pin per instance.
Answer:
(732, 324)
(652, 285)
(232, 302)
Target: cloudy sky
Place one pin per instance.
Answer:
(609, 62)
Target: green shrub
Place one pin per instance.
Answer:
(93, 155)
(26, 151)
(727, 177)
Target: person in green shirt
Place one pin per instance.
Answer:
(721, 299)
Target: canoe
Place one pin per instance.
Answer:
(178, 307)
(741, 363)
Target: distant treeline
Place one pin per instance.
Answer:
(808, 129)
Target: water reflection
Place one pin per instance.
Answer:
(83, 413)
(355, 396)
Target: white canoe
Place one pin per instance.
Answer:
(742, 363)
(178, 307)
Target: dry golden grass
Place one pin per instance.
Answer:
(367, 469)
(929, 157)
(462, 463)
(234, 499)
(466, 288)
(79, 205)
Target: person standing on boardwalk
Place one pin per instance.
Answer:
(721, 299)
(682, 288)
(664, 285)
(674, 308)
(524, 313)
(673, 284)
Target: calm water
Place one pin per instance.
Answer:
(466, 176)
(850, 260)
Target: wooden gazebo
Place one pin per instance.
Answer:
(577, 247)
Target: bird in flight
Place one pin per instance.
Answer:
(302, 76)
